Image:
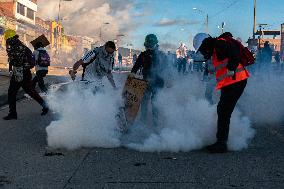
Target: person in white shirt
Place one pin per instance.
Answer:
(97, 63)
(181, 54)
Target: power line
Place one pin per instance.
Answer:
(224, 9)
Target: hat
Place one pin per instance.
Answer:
(9, 34)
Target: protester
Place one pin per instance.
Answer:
(119, 60)
(42, 62)
(266, 55)
(98, 62)
(154, 66)
(231, 80)
(209, 70)
(171, 58)
(134, 59)
(181, 54)
(20, 62)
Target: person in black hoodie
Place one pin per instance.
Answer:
(20, 62)
(153, 63)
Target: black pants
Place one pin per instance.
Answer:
(27, 85)
(181, 65)
(40, 74)
(228, 100)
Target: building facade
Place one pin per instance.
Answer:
(22, 17)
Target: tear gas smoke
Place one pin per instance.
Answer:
(263, 98)
(86, 18)
(187, 121)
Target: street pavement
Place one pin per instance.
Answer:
(25, 163)
(5, 80)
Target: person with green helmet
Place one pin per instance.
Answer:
(153, 64)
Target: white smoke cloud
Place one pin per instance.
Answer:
(263, 99)
(85, 120)
(86, 17)
(187, 121)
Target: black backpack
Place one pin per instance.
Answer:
(43, 58)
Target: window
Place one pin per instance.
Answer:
(30, 13)
(21, 9)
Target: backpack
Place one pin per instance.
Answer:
(21, 56)
(30, 58)
(43, 59)
(247, 57)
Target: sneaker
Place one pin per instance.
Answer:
(44, 111)
(218, 147)
(10, 117)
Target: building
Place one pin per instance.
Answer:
(87, 42)
(56, 34)
(272, 36)
(22, 13)
(42, 27)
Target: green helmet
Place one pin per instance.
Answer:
(150, 41)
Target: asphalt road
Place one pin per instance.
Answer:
(26, 164)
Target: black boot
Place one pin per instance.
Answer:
(45, 109)
(11, 116)
(218, 147)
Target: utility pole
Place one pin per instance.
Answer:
(223, 25)
(254, 19)
(100, 34)
(58, 34)
(207, 23)
(207, 18)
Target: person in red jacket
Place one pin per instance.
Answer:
(231, 78)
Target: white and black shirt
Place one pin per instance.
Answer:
(101, 65)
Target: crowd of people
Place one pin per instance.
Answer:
(219, 57)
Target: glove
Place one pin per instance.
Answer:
(10, 73)
(230, 73)
(72, 74)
